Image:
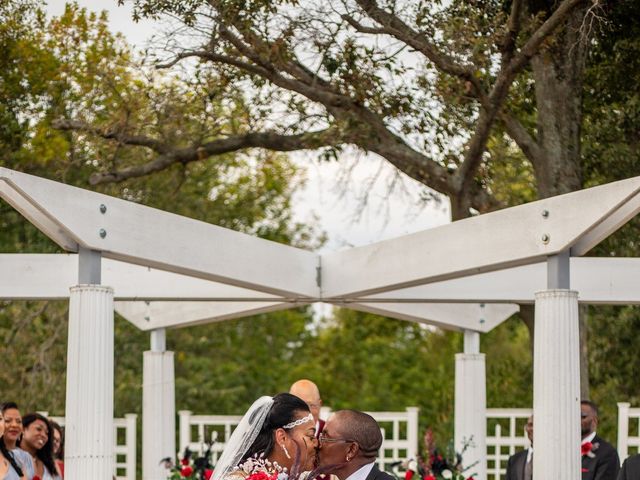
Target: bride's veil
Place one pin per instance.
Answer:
(242, 437)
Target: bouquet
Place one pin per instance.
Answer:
(189, 466)
(437, 464)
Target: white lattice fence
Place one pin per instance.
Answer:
(628, 439)
(505, 436)
(124, 435)
(399, 431)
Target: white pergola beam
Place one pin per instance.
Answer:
(599, 280)
(123, 230)
(449, 316)
(154, 315)
(49, 276)
(515, 236)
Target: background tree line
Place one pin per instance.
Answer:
(78, 106)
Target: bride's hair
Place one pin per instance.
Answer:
(283, 411)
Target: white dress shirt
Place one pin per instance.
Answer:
(362, 473)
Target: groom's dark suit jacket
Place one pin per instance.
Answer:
(376, 474)
(515, 465)
(630, 468)
(605, 463)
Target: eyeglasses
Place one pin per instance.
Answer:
(324, 439)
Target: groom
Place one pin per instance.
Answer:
(350, 441)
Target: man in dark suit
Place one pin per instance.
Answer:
(308, 391)
(520, 465)
(350, 442)
(630, 468)
(599, 459)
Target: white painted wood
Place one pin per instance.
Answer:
(471, 342)
(623, 430)
(450, 316)
(556, 386)
(89, 427)
(16, 198)
(158, 413)
(600, 280)
(49, 276)
(155, 315)
(147, 236)
(470, 422)
(510, 237)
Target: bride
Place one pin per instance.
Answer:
(275, 440)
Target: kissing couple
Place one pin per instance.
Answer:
(276, 440)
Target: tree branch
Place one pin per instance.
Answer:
(268, 140)
(111, 134)
(526, 142)
(317, 92)
(513, 29)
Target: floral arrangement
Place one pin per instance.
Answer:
(437, 464)
(189, 466)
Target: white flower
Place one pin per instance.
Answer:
(447, 474)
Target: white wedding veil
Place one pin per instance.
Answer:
(242, 437)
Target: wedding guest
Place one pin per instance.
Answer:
(308, 391)
(37, 441)
(520, 465)
(58, 446)
(9, 468)
(630, 468)
(599, 459)
(12, 424)
(350, 442)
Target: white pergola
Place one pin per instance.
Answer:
(165, 271)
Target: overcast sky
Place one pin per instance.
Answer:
(334, 204)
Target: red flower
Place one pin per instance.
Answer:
(430, 477)
(36, 477)
(186, 471)
(586, 448)
(470, 478)
(207, 474)
(184, 461)
(258, 476)
(408, 475)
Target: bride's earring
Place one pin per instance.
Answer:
(348, 458)
(285, 451)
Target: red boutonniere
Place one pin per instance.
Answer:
(588, 449)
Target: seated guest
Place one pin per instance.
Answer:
(37, 441)
(9, 469)
(9, 442)
(58, 446)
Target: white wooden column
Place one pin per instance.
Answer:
(556, 378)
(471, 406)
(158, 408)
(89, 400)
